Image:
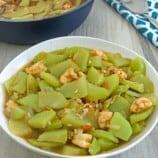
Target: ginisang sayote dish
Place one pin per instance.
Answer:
(33, 9)
(79, 101)
(33, 21)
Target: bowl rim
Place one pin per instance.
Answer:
(112, 153)
(84, 4)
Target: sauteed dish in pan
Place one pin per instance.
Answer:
(32, 21)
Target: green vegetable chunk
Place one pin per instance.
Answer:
(124, 131)
(53, 59)
(120, 105)
(30, 100)
(95, 77)
(41, 144)
(24, 3)
(141, 116)
(59, 68)
(50, 79)
(95, 61)
(118, 60)
(137, 64)
(73, 104)
(78, 2)
(41, 56)
(68, 52)
(72, 119)
(72, 150)
(32, 85)
(38, 8)
(139, 87)
(92, 120)
(54, 124)
(137, 128)
(40, 120)
(8, 83)
(105, 134)
(94, 147)
(111, 82)
(105, 144)
(75, 89)
(58, 136)
(81, 58)
(17, 112)
(133, 93)
(148, 84)
(43, 85)
(96, 92)
(20, 12)
(19, 83)
(53, 99)
(19, 128)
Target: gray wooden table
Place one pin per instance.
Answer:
(103, 23)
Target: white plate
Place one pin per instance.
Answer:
(58, 43)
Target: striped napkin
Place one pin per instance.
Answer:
(140, 22)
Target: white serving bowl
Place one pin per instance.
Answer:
(22, 59)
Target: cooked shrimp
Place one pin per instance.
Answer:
(104, 118)
(9, 105)
(140, 104)
(36, 68)
(2, 3)
(67, 5)
(68, 76)
(121, 74)
(100, 53)
(82, 140)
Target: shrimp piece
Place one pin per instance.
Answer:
(140, 104)
(68, 76)
(121, 74)
(36, 68)
(2, 3)
(9, 105)
(100, 53)
(67, 5)
(82, 140)
(104, 118)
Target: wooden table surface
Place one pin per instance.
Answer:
(105, 23)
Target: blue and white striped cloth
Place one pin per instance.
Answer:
(140, 22)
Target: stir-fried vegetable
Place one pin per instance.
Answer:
(79, 101)
(33, 9)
